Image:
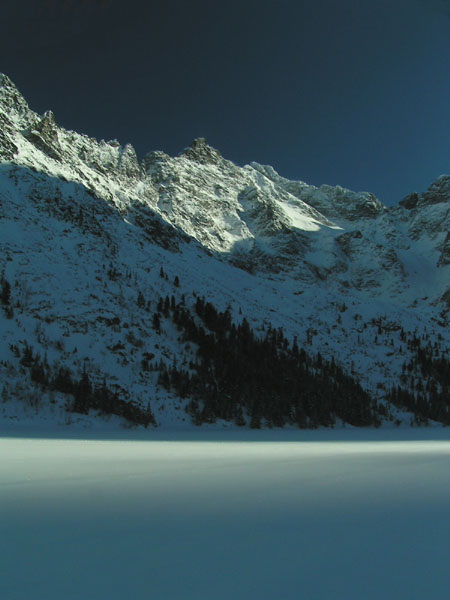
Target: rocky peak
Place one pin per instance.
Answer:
(439, 191)
(44, 135)
(266, 170)
(410, 201)
(12, 103)
(352, 205)
(47, 126)
(128, 162)
(333, 202)
(8, 90)
(270, 222)
(201, 152)
(154, 158)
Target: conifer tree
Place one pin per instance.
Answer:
(5, 291)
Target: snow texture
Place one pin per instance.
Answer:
(85, 227)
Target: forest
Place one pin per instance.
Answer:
(273, 382)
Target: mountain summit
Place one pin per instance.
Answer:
(110, 266)
(202, 153)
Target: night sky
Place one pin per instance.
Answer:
(349, 92)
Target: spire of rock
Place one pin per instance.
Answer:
(11, 100)
(128, 162)
(201, 152)
(14, 112)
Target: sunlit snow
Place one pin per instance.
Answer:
(222, 519)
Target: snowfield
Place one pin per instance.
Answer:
(320, 515)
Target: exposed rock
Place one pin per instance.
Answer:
(128, 163)
(199, 151)
(346, 241)
(86, 230)
(13, 104)
(8, 148)
(153, 159)
(444, 258)
(438, 191)
(446, 298)
(352, 205)
(410, 201)
(44, 135)
(250, 216)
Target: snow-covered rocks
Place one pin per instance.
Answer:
(85, 228)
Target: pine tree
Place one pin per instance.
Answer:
(27, 359)
(156, 322)
(5, 292)
(82, 395)
(140, 300)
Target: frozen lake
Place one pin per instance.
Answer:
(174, 520)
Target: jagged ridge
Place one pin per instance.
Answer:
(310, 250)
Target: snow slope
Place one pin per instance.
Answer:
(85, 227)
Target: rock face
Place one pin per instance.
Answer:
(13, 105)
(248, 215)
(302, 252)
(444, 258)
(437, 193)
(44, 135)
(199, 151)
(410, 201)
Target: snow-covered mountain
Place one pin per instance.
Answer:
(93, 240)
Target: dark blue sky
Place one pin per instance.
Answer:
(350, 92)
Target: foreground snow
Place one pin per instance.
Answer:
(314, 517)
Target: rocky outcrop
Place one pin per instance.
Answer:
(349, 242)
(13, 105)
(128, 165)
(200, 152)
(8, 148)
(352, 205)
(438, 192)
(444, 258)
(44, 135)
(410, 201)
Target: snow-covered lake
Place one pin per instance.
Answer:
(167, 520)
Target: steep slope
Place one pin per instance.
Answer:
(93, 242)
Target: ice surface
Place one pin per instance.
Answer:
(325, 519)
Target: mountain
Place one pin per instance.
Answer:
(179, 289)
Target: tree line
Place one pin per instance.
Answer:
(85, 394)
(271, 381)
(428, 392)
